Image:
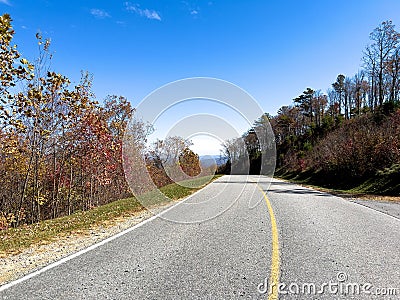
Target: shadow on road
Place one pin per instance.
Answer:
(298, 192)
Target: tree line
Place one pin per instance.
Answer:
(351, 131)
(60, 150)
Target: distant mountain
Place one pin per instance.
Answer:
(209, 160)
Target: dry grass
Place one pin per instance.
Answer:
(15, 240)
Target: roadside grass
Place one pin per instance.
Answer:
(15, 240)
(185, 188)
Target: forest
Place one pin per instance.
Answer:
(347, 137)
(60, 150)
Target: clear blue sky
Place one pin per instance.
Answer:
(272, 49)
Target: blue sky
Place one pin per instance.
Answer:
(272, 49)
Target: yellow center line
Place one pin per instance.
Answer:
(274, 275)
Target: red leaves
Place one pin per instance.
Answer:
(57, 144)
(360, 145)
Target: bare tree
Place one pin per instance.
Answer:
(385, 40)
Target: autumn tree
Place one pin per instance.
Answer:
(13, 69)
(189, 162)
(60, 151)
(163, 159)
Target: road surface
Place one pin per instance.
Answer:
(315, 245)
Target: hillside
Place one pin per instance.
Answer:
(361, 156)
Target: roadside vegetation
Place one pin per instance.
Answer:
(15, 240)
(360, 156)
(347, 138)
(60, 149)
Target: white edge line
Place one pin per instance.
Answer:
(371, 208)
(344, 199)
(92, 247)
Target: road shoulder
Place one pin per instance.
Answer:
(389, 205)
(14, 266)
(391, 208)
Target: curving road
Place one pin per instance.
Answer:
(225, 241)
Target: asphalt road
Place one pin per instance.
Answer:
(388, 207)
(219, 244)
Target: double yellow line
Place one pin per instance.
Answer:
(274, 274)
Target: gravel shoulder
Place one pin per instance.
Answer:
(14, 266)
(222, 257)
